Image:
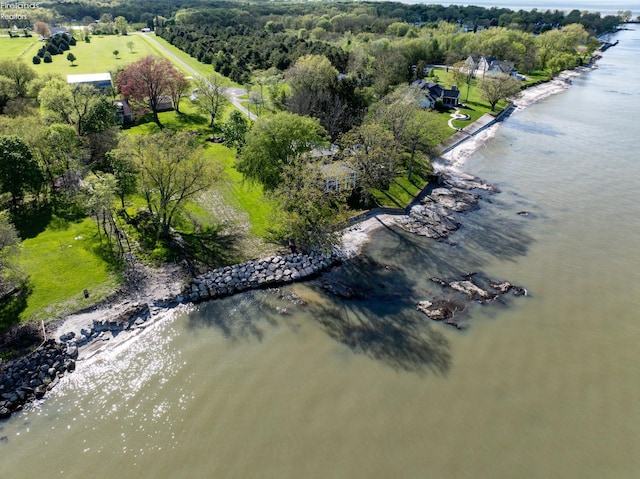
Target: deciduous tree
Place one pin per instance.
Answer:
(99, 193)
(374, 154)
(494, 88)
(57, 148)
(19, 171)
(308, 215)
(146, 81)
(275, 142)
(10, 275)
(121, 25)
(79, 105)
(317, 91)
(234, 131)
(7, 90)
(42, 29)
(178, 85)
(171, 169)
(19, 73)
(211, 98)
(415, 130)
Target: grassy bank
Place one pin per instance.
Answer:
(62, 261)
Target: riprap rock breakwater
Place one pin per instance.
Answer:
(31, 377)
(256, 274)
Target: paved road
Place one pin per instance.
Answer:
(232, 93)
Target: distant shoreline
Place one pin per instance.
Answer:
(360, 232)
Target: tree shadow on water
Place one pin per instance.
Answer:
(503, 237)
(368, 280)
(243, 317)
(403, 341)
(467, 249)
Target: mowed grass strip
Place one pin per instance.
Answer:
(204, 69)
(242, 194)
(12, 48)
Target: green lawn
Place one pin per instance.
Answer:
(401, 191)
(241, 194)
(235, 191)
(62, 261)
(12, 48)
(97, 56)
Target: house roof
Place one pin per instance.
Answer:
(453, 93)
(336, 169)
(89, 78)
(324, 152)
(434, 89)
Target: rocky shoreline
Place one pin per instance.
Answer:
(29, 378)
(436, 215)
(481, 290)
(79, 336)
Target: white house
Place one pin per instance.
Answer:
(482, 66)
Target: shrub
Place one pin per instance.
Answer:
(36, 60)
(47, 58)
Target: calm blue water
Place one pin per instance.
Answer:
(263, 385)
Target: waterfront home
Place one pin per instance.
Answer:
(434, 92)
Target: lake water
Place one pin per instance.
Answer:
(546, 386)
(604, 8)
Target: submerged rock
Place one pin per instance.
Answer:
(477, 290)
(471, 289)
(480, 290)
(504, 287)
(441, 310)
(467, 182)
(342, 290)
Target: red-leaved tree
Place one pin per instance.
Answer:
(144, 82)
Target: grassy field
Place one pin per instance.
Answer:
(61, 262)
(12, 48)
(245, 197)
(97, 56)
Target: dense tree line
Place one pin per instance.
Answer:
(237, 51)
(335, 16)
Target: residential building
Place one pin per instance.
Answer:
(101, 81)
